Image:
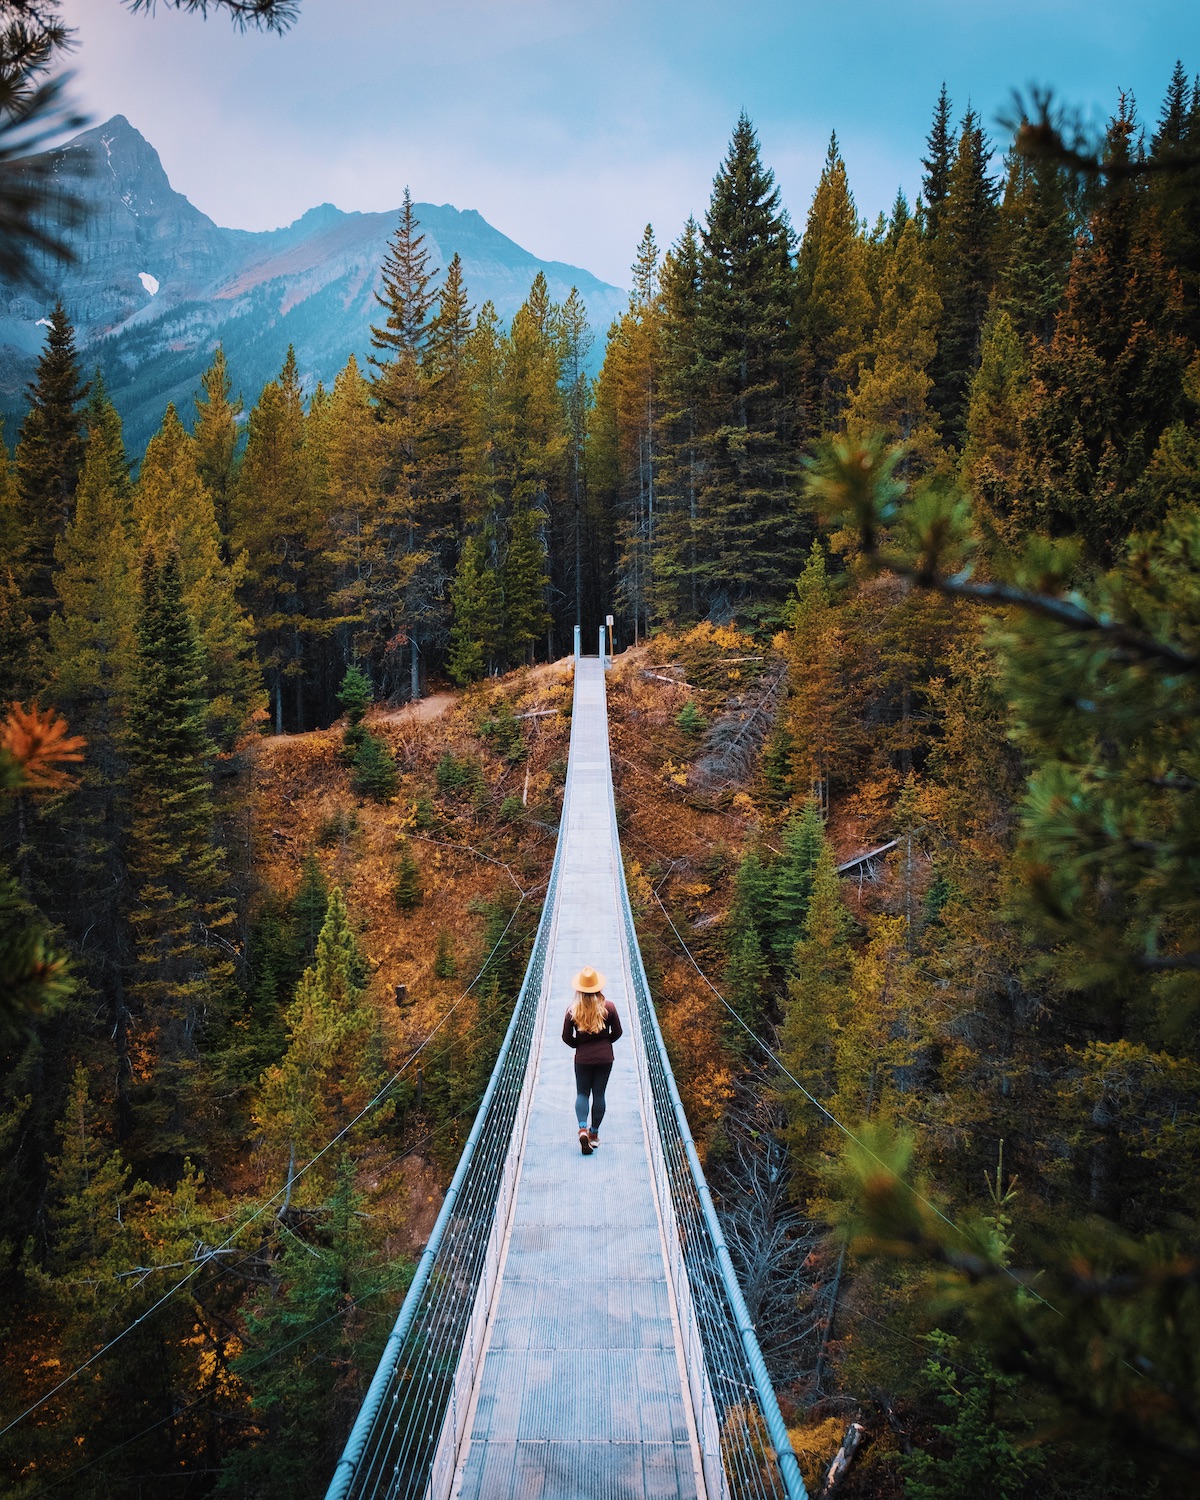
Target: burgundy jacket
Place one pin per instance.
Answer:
(593, 1046)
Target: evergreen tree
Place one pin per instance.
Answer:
(676, 574)
(992, 466)
(802, 840)
(48, 460)
(891, 394)
(477, 612)
(746, 532)
(216, 438)
(407, 890)
(819, 706)
(179, 908)
(523, 581)
(833, 305)
(374, 769)
(92, 648)
(576, 341)
(935, 182)
(406, 299)
(747, 972)
(173, 512)
(332, 1067)
(963, 256)
(1035, 235)
(1110, 381)
(310, 905)
(279, 524)
(1174, 195)
(314, 1336)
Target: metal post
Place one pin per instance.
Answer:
(577, 647)
(602, 644)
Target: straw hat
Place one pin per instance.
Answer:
(588, 981)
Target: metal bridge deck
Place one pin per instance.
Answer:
(582, 1391)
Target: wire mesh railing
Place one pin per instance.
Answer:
(404, 1440)
(744, 1446)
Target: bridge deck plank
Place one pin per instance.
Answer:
(580, 1392)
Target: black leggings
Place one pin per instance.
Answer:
(590, 1078)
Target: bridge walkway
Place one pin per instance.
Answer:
(582, 1389)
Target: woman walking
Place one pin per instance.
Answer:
(591, 1025)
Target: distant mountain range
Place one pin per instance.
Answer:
(156, 285)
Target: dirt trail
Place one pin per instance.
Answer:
(419, 712)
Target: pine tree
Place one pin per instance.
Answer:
(279, 524)
(802, 840)
(477, 614)
(48, 460)
(332, 1067)
(576, 341)
(523, 581)
(1110, 382)
(406, 299)
(310, 905)
(173, 512)
(892, 394)
(90, 659)
(533, 450)
(747, 973)
(374, 773)
(179, 908)
(1036, 231)
(992, 467)
(833, 306)
(1174, 196)
(819, 705)
(216, 438)
(935, 183)
(746, 532)
(963, 252)
(406, 890)
(676, 575)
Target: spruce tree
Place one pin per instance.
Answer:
(992, 465)
(676, 563)
(179, 907)
(173, 511)
(477, 614)
(523, 581)
(963, 251)
(1110, 381)
(406, 888)
(216, 438)
(333, 1065)
(91, 655)
(746, 533)
(891, 395)
(49, 457)
(802, 840)
(1174, 195)
(833, 305)
(1036, 231)
(935, 182)
(279, 525)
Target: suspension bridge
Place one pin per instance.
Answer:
(574, 1329)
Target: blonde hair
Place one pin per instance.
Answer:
(589, 1011)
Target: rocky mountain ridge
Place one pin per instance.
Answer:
(156, 284)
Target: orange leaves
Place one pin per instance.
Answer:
(39, 743)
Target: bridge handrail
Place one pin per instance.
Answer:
(515, 1048)
(750, 1476)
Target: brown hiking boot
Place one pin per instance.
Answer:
(585, 1141)
(594, 1137)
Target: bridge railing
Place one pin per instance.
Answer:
(744, 1445)
(402, 1445)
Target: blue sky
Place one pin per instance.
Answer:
(571, 123)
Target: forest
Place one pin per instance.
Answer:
(900, 526)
